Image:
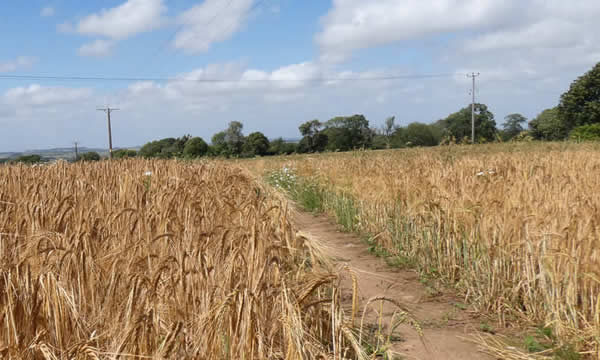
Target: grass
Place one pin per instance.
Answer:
(521, 239)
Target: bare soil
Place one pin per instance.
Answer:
(445, 320)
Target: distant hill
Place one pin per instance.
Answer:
(59, 153)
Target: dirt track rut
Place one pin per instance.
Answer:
(446, 322)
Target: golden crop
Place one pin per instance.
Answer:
(157, 259)
(516, 227)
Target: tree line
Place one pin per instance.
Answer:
(576, 117)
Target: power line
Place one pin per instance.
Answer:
(175, 79)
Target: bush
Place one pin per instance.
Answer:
(548, 126)
(586, 133)
(89, 156)
(256, 144)
(165, 148)
(195, 147)
(523, 136)
(281, 147)
(29, 159)
(124, 153)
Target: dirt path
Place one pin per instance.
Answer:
(443, 317)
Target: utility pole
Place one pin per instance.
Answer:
(76, 152)
(473, 76)
(108, 110)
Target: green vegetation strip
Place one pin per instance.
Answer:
(408, 251)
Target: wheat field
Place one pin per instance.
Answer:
(144, 259)
(516, 228)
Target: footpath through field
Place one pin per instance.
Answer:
(445, 321)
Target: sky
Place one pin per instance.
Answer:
(190, 67)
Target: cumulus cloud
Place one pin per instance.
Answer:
(20, 62)
(98, 48)
(41, 96)
(356, 24)
(553, 25)
(352, 25)
(47, 11)
(527, 53)
(210, 22)
(235, 80)
(128, 19)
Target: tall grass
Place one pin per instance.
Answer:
(516, 227)
(159, 259)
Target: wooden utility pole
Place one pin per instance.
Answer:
(473, 76)
(76, 152)
(108, 110)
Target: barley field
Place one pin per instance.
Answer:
(144, 259)
(514, 227)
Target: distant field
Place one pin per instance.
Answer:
(157, 259)
(516, 227)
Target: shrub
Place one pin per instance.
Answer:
(586, 133)
(124, 153)
(29, 159)
(89, 156)
(195, 147)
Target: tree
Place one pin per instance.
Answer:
(548, 126)
(348, 132)
(313, 140)
(164, 148)
(418, 134)
(234, 137)
(513, 125)
(256, 144)
(398, 139)
(580, 105)
(195, 147)
(388, 130)
(219, 145)
(458, 124)
(281, 147)
(174, 147)
(150, 149)
(310, 128)
(90, 156)
(380, 141)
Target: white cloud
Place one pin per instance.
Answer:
(527, 53)
(285, 84)
(128, 19)
(549, 33)
(357, 24)
(18, 63)
(97, 48)
(47, 11)
(352, 25)
(282, 82)
(65, 28)
(551, 25)
(36, 95)
(210, 22)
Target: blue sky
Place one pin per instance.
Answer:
(283, 58)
